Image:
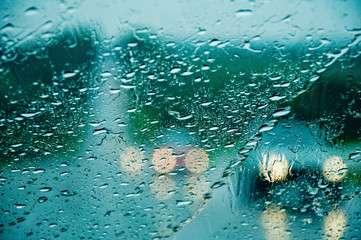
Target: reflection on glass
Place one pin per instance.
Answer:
(161, 225)
(131, 160)
(195, 187)
(274, 167)
(163, 187)
(274, 221)
(334, 169)
(196, 160)
(335, 225)
(164, 160)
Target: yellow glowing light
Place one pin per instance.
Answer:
(334, 169)
(196, 160)
(195, 187)
(334, 225)
(274, 221)
(163, 160)
(162, 187)
(131, 159)
(274, 167)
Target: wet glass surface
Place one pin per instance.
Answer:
(180, 120)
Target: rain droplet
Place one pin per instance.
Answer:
(354, 155)
(214, 42)
(342, 170)
(265, 128)
(16, 145)
(47, 25)
(230, 145)
(281, 112)
(67, 193)
(115, 91)
(106, 74)
(52, 225)
(19, 205)
(127, 86)
(29, 115)
(217, 185)
(322, 184)
(42, 199)
(96, 124)
(175, 70)
(69, 74)
(104, 185)
(129, 75)
(313, 191)
(314, 78)
(187, 73)
(206, 104)
(31, 11)
(183, 203)
(46, 189)
(38, 171)
(244, 13)
(277, 98)
(7, 27)
(99, 131)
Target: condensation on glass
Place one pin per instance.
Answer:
(180, 119)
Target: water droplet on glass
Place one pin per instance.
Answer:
(69, 74)
(36, 171)
(42, 199)
(174, 70)
(29, 115)
(19, 205)
(244, 13)
(46, 189)
(183, 203)
(105, 74)
(281, 112)
(31, 11)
